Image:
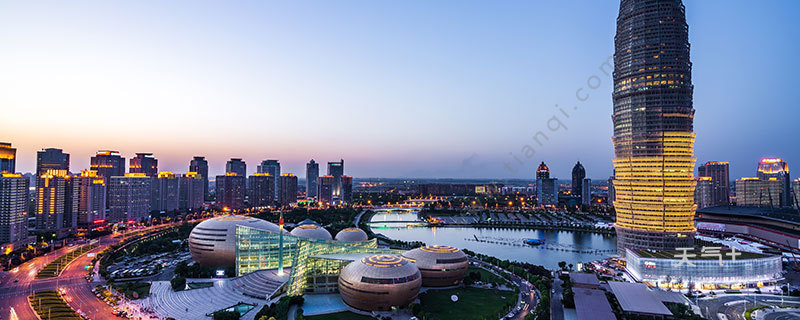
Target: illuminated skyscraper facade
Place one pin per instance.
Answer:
(287, 184)
(199, 165)
(720, 182)
(129, 197)
(144, 163)
(653, 127)
(236, 165)
(273, 167)
(192, 187)
(312, 177)
(755, 192)
(336, 170)
(8, 158)
(108, 164)
(54, 205)
(165, 192)
(260, 190)
(230, 191)
(51, 159)
(13, 210)
(776, 168)
(89, 194)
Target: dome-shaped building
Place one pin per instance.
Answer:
(312, 231)
(379, 282)
(213, 242)
(441, 266)
(352, 234)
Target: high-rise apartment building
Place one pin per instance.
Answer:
(653, 127)
(230, 191)
(165, 192)
(129, 197)
(51, 159)
(347, 189)
(89, 194)
(769, 168)
(55, 210)
(144, 163)
(546, 187)
(108, 164)
(192, 188)
(13, 210)
(8, 158)
(752, 191)
(273, 167)
(586, 192)
(287, 184)
(312, 177)
(578, 174)
(704, 192)
(236, 165)
(199, 165)
(260, 190)
(720, 182)
(325, 189)
(336, 170)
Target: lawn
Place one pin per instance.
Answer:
(142, 289)
(53, 269)
(487, 276)
(473, 303)
(339, 316)
(49, 305)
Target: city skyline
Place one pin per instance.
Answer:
(396, 103)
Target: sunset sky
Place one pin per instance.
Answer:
(400, 89)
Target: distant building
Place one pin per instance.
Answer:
(165, 195)
(273, 167)
(287, 184)
(336, 170)
(347, 189)
(312, 175)
(769, 168)
(144, 163)
(450, 189)
(108, 164)
(720, 182)
(51, 159)
(578, 174)
(611, 191)
(260, 190)
(542, 172)
(129, 197)
(546, 187)
(54, 205)
(704, 192)
(231, 190)
(89, 193)
(797, 193)
(13, 209)
(586, 193)
(8, 158)
(199, 165)
(236, 165)
(192, 191)
(325, 190)
(759, 193)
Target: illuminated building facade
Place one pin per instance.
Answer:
(231, 190)
(325, 190)
(51, 159)
(653, 127)
(13, 211)
(796, 187)
(720, 182)
(755, 192)
(586, 193)
(165, 194)
(8, 158)
(200, 166)
(89, 193)
(273, 167)
(144, 163)
(542, 171)
(287, 189)
(704, 192)
(108, 164)
(776, 168)
(54, 205)
(191, 191)
(578, 174)
(336, 170)
(546, 187)
(665, 270)
(236, 165)
(260, 190)
(129, 197)
(312, 177)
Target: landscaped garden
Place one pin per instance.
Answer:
(49, 305)
(133, 290)
(472, 303)
(54, 268)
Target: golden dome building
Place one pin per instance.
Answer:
(441, 266)
(379, 282)
(352, 235)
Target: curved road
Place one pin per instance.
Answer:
(733, 306)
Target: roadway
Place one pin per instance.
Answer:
(733, 306)
(556, 308)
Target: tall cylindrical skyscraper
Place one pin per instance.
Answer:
(653, 127)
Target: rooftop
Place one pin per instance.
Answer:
(636, 298)
(783, 215)
(696, 254)
(584, 278)
(592, 304)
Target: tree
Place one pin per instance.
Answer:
(562, 265)
(178, 283)
(227, 315)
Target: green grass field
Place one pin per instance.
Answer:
(339, 316)
(473, 303)
(49, 305)
(487, 276)
(54, 268)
